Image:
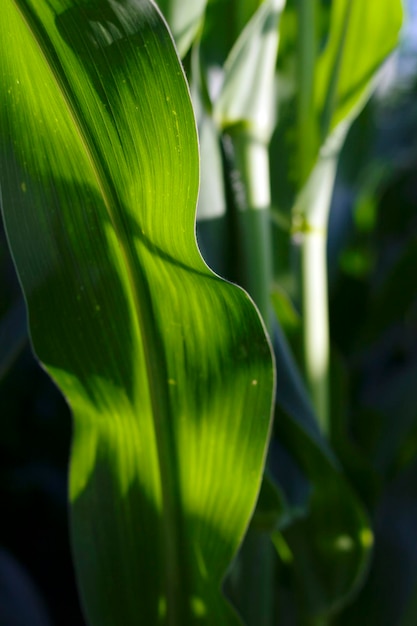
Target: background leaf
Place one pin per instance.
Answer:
(247, 92)
(329, 56)
(184, 18)
(361, 36)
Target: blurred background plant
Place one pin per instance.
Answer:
(370, 425)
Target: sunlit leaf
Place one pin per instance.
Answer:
(165, 366)
(330, 55)
(361, 36)
(247, 94)
(223, 23)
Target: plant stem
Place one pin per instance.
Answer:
(310, 237)
(315, 319)
(251, 185)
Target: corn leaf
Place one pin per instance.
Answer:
(184, 18)
(247, 94)
(330, 53)
(361, 36)
(165, 366)
(329, 547)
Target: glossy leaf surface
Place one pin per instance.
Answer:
(165, 366)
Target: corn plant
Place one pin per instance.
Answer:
(173, 373)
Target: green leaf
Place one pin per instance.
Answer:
(329, 547)
(272, 510)
(327, 543)
(223, 23)
(361, 36)
(184, 18)
(165, 366)
(329, 57)
(285, 311)
(212, 195)
(247, 94)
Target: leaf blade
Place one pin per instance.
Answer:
(160, 390)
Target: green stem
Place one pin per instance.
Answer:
(252, 191)
(310, 237)
(315, 320)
